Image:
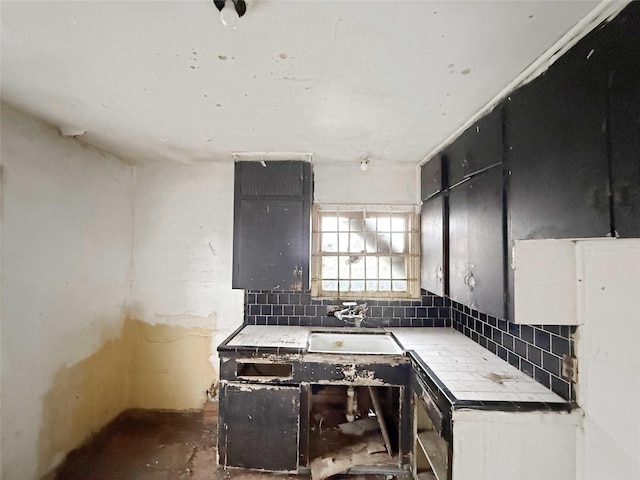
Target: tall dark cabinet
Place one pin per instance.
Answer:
(433, 271)
(476, 250)
(559, 158)
(433, 225)
(272, 218)
(623, 55)
(556, 150)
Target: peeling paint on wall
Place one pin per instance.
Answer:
(146, 366)
(170, 367)
(83, 397)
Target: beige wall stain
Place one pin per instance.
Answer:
(82, 399)
(169, 365)
(147, 366)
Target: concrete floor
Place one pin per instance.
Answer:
(156, 445)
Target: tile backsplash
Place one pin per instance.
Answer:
(270, 307)
(537, 351)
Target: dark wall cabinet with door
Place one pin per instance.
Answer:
(462, 240)
(433, 268)
(272, 214)
(559, 158)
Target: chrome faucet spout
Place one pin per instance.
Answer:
(353, 312)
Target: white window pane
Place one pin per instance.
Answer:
(399, 268)
(398, 224)
(356, 243)
(384, 243)
(370, 243)
(329, 267)
(384, 267)
(357, 268)
(357, 225)
(357, 286)
(372, 285)
(372, 267)
(330, 285)
(344, 267)
(384, 224)
(344, 285)
(343, 224)
(400, 285)
(329, 223)
(329, 242)
(397, 243)
(370, 224)
(384, 285)
(343, 242)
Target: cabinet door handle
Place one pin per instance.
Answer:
(439, 273)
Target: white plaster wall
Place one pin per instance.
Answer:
(608, 350)
(66, 240)
(183, 249)
(382, 183)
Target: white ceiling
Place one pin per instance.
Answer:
(390, 80)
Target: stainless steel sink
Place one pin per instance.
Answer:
(361, 343)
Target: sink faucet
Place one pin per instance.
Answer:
(352, 311)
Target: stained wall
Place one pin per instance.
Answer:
(66, 240)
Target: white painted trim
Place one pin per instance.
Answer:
(604, 12)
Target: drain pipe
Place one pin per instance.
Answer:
(351, 404)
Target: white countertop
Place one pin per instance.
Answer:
(468, 370)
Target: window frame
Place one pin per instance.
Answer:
(412, 254)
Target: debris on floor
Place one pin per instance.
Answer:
(369, 451)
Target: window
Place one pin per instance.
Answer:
(365, 252)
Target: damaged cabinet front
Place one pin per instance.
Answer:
(272, 218)
(273, 409)
(259, 426)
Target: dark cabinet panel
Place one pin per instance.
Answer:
(476, 243)
(557, 150)
(273, 253)
(458, 244)
(433, 261)
(486, 243)
(432, 177)
(479, 147)
(623, 36)
(259, 426)
(272, 218)
(276, 179)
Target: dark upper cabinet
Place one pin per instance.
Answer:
(433, 271)
(272, 218)
(476, 243)
(458, 243)
(432, 177)
(479, 147)
(277, 179)
(556, 150)
(623, 37)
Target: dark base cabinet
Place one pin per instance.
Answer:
(259, 426)
(267, 400)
